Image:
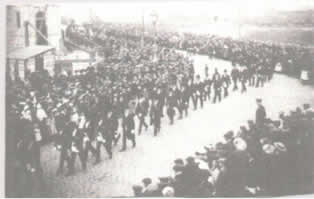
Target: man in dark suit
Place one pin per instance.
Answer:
(161, 97)
(172, 102)
(185, 97)
(62, 141)
(244, 78)
(197, 92)
(142, 110)
(206, 71)
(251, 73)
(235, 76)
(226, 82)
(208, 85)
(259, 80)
(128, 126)
(107, 126)
(177, 94)
(260, 114)
(156, 117)
(111, 124)
(217, 86)
(71, 145)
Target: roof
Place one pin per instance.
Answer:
(29, 52)
(73, 60)
(77, 54)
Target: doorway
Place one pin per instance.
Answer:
(39, 63)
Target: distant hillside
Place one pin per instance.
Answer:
(302, 36)
(304, 18)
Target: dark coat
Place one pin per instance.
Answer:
(156, 115)
(260, 115)
(128, 123)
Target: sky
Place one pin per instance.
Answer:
(121, 11)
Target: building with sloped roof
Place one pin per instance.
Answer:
(33, 36)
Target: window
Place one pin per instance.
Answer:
(10, 13)
(18, 19)
(41, 26)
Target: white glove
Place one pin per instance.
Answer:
(58, 147)
(74, 149)
(100, 138)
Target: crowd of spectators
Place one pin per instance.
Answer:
(42, 108)
(292, 58)
(269, 159)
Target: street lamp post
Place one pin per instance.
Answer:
(154, 16)
(239, 23)
(143, 29)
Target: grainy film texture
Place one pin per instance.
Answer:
(163, 99)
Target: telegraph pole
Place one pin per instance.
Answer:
(239, 23)
(143, 29)
(154, 16)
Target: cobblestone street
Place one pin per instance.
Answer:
(153, 156)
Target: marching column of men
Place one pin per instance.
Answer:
(166, 86)
(85, 132)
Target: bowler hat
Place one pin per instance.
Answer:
(190, 160)
(178, 161)
(147, 181)
(250, 122)
(178, 168)
(229, 135)
(164, 180)
(137, 189)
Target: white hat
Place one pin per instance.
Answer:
(203, 165)
(269, 148)
(38, 105)
(26, 107)
(168, 191)
(240, 144)
(280, 146)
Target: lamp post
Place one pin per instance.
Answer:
(143, 29)
(239, 22)
(154, 16)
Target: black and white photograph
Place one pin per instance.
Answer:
(184, 99)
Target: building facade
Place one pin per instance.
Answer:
(33, 37)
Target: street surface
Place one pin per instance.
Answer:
(153, 156)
